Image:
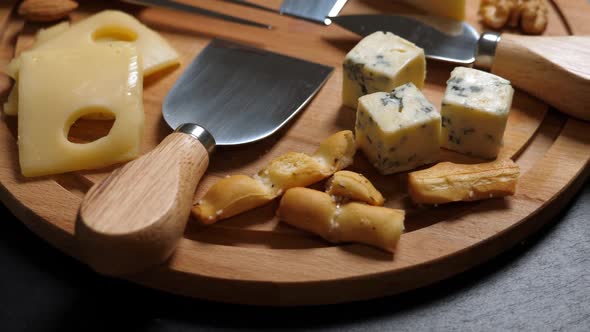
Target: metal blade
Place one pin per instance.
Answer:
(196, 10)
(441, 38)
(315, 11)
(242, 94)
(251, 4)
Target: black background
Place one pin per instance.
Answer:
(542, 284)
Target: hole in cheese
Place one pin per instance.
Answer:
(114, 33)
(89, 124)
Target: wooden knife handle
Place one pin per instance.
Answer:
(135, 217)
(553, 69)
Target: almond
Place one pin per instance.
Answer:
(46, 10)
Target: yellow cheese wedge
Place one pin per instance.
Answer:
(454, 9)
(58, 86)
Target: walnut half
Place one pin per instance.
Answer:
(530, 15)
(496, 13)
(533, 19)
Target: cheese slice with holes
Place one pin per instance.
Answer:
(58, 86)
(43, 35)
(109, 26)
(454, 9)
(103, 27)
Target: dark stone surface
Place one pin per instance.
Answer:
(541, 285)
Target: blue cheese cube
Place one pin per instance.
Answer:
(474, 112)
(399, 130)
(381, 62)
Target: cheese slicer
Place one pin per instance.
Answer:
(553, 69)
(231, 94)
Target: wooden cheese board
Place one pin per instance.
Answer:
(253, 258)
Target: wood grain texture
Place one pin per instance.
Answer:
(554, 69)
(134, 218)
(253, 258)
(576, 13)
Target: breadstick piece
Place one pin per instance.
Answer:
(293, 169)
(374, 225)
(239, 193)
(220, 203)
(447, 182)
(337, 151)
(309, 210)
(316, 212)
(354, 186)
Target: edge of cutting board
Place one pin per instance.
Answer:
(555, 165)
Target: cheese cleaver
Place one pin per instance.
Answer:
(230, 94)
(553, 69)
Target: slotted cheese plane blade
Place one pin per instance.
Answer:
(553, 69)
(230, 94)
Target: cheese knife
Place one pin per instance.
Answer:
(231, 94)
(553, 69)
(313, 11)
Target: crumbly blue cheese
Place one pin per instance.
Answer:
(381, 62)
(474, 112)
(399, 130)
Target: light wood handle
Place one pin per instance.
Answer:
(134, 218)
(553, 69)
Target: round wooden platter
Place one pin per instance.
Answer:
(255, 259)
